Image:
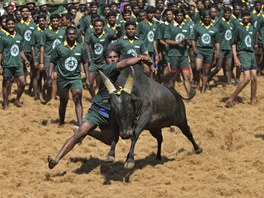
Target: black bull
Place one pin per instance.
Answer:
(140, 103)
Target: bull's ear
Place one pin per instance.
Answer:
(130, 81)
(108, 84)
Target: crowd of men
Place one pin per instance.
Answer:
(196, 40)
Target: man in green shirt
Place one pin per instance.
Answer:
(35, 51)
(177, 37)
(244, 57)
(99, 40)
(205, 44)
(10, 62)
(225, 28)
(25, 28)
(99, 112)
(52, 36)
(68, 57)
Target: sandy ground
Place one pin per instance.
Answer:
(232, 164)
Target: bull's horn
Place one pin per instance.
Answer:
(108, 84)
(130, 81)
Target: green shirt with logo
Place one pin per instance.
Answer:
(176, 33)
(134, 47)
(50, 39)
(146, 32)
(10, 47)
(98, 43)
(35, 41)
(68, 60)
(225, 31)
(26, 30)
(205, 36)
(243, 37)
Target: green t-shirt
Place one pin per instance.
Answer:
(176, 32)
(254, 18)
(146, 32)
(225, 31)
(50, 40)
(205, 37)
(98, 43)
(35, 41)
(25, 30)
(102, 97)
(243, 37)
(68, 60)
(134, 47)
(235, 20)
(10, 47)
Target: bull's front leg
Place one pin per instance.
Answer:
(111, 154)
(141, 124)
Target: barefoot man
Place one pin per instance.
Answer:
(99, 112)
(244, 57)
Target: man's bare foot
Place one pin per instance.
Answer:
(253, 102)
(18, 103)
(51, 162)
(5, 107)
(229, 103)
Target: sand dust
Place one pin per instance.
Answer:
(232, 164)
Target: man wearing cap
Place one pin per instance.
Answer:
(25, 28)
(9, 9)
(31, 5)
(43, 7)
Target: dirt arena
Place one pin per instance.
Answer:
(232, 164)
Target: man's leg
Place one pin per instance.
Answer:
(197, 72)
(5, 86)
(216, 69)
(64, 97)
(253, 78)
(228, 73)
(82, 132)
(77, 99)
(205, 74)
(21, 88)
(240, 87)
(187, 77)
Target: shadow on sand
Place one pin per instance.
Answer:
(115, 171)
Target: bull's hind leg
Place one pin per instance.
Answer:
(187, 132)
(158, 135)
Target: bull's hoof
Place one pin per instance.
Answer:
(198, 150)
(129, 165)
(158, 157)
(110, 159)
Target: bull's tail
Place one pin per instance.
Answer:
(192, 93)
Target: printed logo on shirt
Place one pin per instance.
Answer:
(77, 54)
(27, 35)
(206, 38)
(55, 43)
(98, 48)
(132, 52)
(255, 24)
(228, 35)
(14, 50)
(151, 36)
(248, 41)
(71, 63)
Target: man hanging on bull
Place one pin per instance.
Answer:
(99, 112)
